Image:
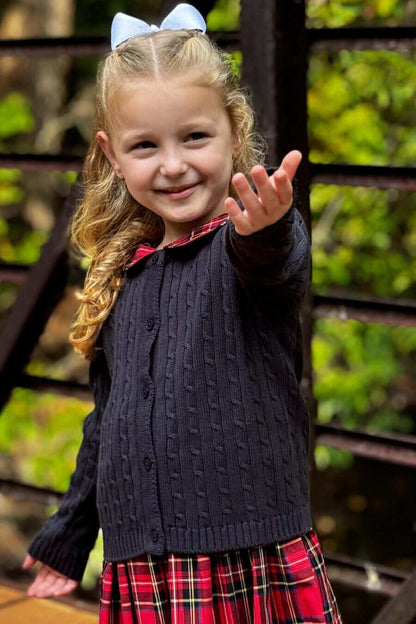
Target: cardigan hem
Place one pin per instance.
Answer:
(214, 539)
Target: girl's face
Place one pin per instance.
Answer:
(173, 145)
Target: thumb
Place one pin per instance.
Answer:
(29, 562)
(291, 162)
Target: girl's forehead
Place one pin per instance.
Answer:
(155, 92)
(158, 106)
(148, 84)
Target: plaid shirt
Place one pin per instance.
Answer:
(144, 250)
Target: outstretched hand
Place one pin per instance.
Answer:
(48, 582)
(273, 199)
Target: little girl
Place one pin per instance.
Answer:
(194, 459)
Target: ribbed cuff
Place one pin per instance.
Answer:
(60, 555)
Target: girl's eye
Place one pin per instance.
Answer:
(195, 136)
(144, 145)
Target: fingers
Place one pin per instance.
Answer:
(282, 186)
(273, 198)
(236, 216)
(29, 562)
(63, 586)
(50, 583)
(290, 163)
(42, 586)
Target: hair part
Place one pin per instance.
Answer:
(109, 224)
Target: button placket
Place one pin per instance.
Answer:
(150, 323)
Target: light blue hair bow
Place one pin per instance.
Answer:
(125, 27)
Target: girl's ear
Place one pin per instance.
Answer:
(104, 142)
(236, 145)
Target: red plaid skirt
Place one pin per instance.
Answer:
(279, 583)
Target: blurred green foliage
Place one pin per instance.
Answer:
(41, 434)
(22, 245)
(364, 241)
(224, 16)
(330, 14)
(361, 112)
(15, 116)
(18, 242)
(366, 96)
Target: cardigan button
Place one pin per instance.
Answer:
(153, 259)
(147, 464)
(154, 535)
(150, 324)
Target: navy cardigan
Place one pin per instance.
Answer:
(198, 441)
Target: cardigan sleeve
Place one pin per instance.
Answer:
(65, 541)
(275, 261)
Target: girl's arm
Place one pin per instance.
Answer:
(64, 543)
(267, 242)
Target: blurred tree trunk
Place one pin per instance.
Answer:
(43, 81)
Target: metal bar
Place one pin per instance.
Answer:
(365, 175)
(378, 38)
(55, 46)
(38, 296)
(279, 89)
(41, 162)
(55, 386)
(364, 575)
(392, 448)
(86, 46)
(345, 561)
(13, 273)
(402, 608)
(26, 492)
(388, 312)
(318, 39)
(260, 52)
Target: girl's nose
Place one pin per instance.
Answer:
(173, 164)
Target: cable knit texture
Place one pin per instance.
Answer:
(199, 437)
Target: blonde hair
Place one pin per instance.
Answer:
(109, 224)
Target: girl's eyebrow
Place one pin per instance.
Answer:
(190, 124)
(133, 137)
(198, 120)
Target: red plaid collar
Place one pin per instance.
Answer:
(145, 249)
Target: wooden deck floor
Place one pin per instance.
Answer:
(16, 608)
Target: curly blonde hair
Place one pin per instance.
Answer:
(109, 224)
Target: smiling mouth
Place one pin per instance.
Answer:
(177, 193)
(177, 190)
